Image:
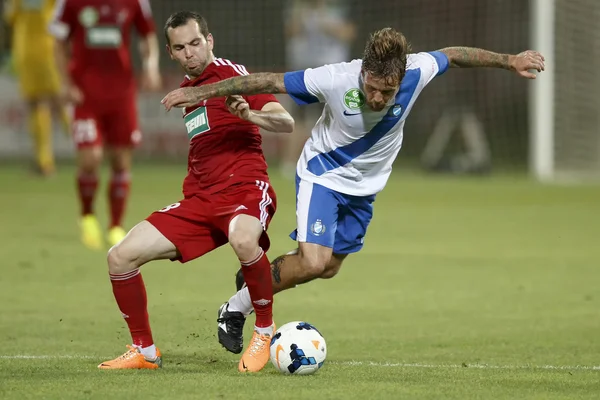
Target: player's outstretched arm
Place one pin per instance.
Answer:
(470, 57)
(259, 83)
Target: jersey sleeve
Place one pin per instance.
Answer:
(311, 85)
(258, 101)
(63, 20)
(143, 21)
(431, 64)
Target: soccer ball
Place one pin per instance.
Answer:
(298, 348)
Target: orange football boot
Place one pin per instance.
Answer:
(257, 354)
(133, 359)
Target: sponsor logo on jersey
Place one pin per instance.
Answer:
(104, 36)
(196, 122)
(354, 99)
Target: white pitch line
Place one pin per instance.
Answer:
(357, 363)
(34, 357)
(466, 366)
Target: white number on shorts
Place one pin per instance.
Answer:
(84, 130)
(169, 207)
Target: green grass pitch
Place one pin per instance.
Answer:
(466, 288)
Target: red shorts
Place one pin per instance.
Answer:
(112, 123)
(199, 224)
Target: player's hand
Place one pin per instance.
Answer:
(185, 97)
(151, 80)
(528, 60)
(238, 106)
(71, 94)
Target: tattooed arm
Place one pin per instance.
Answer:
(263, 82)
(471, 57)
(466, 57)
(259, 83)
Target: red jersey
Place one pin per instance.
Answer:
(224, 149)
(100, 34)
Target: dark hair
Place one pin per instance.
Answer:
(385, 54)
(181, 18)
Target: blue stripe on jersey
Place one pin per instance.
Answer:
(296, 88)
(442, 61)
(336, 158)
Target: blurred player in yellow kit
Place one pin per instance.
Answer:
(33, 59)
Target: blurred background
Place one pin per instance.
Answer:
(468, 260)
(469, 120)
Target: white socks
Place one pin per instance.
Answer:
(148, 352)
(241, 302)
(269, 330)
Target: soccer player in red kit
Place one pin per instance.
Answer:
(93, 56)
(227, 198)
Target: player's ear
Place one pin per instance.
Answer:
(169, 51)
(210, 41)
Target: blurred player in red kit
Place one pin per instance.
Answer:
(227, 197)
(93, 57)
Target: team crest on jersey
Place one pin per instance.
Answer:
(396, 110)
(196, 122)
(88, 17)
(317, 228)
(354, 98)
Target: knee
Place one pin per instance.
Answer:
(313, 265)
(333, 266)
(120, 165)
(330, 271)
(88, 167)
(120, 261)
(89, 163)
(244, 244)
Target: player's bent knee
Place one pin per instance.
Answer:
(330, 271)
(314, 259)
(333, 266)
(244, 233)
(244, 245)
(313, 267)
(119, 261)
(142, 244)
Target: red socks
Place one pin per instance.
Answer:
(257, 274)
(87, 185)
(118, 193)
(130, 293)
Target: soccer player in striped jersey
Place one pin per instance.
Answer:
(349, 157)
(227, 197)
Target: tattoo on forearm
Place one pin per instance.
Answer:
(466, 57)
(276, 268)
(262, 82)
